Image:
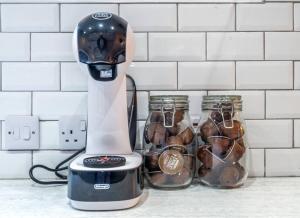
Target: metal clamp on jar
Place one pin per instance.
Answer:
(222, 146)
(169, 142)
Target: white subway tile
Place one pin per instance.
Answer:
(195, 99)
(264, 75)
(140, 135)
(49, 135)
(235, 46)
(297, 16)
(150, 17)
(51, 47)
(176, 46)
(206, 17)
(154, 75)
(15, 103)
(15, 164)
(270, 133)
(71, 14)
(141, 47)
(283, 104)
(142, 105)
(14, 47)
(297, 75)
(265, 17)
(73, 78)
(29, 17)
(49, 159)
(253, 102)
(30, 76)
(206, 75)
(257, 162)
(282, 162)
(282, 45)
(52, 105)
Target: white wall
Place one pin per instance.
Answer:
(195, 49)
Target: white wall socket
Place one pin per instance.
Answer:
(72, 132)
(21, 133)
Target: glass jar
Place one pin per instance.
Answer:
(169, 143)
(222, 145)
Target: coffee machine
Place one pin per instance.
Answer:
(108, 176)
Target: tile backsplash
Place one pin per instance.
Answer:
(184, 48)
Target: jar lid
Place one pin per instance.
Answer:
(213, 102)
(156, 102)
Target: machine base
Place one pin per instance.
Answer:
(105, 188)
(112, 205)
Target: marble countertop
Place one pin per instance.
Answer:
(259, 197)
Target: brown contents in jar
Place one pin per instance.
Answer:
(232, 129)
(235, 153)
(208, 159)
(180, 178)
(209, 128)
(231, 175)
(158, 178)
(151, 161)
(187, 136)
(219, 145)
(156, 117)
(155, 133)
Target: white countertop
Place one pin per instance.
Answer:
(264, 197)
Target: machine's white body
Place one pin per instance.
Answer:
(107, 132)
(107, 121)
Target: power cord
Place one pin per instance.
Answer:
(56, 171)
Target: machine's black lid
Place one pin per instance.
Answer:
(102, 39)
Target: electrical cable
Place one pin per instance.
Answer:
(56, 171)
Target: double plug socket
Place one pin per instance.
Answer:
(72, 132)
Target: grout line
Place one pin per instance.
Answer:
(30, 47)
(119, 6)
(265, 162)
(293, 68)
(177, 17)
(154, 61)
(32, 158)
(293, 13)
(206, 35)
(59, 76)
(235, 17)
(265, 106)
(31, 98)
(148, 46)
(264, 46)
(59, 17)
(293, 133)
(235, 82)
(30, 2)
(177, 76)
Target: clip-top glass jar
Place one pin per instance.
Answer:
(222, 148)
(169, 143)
